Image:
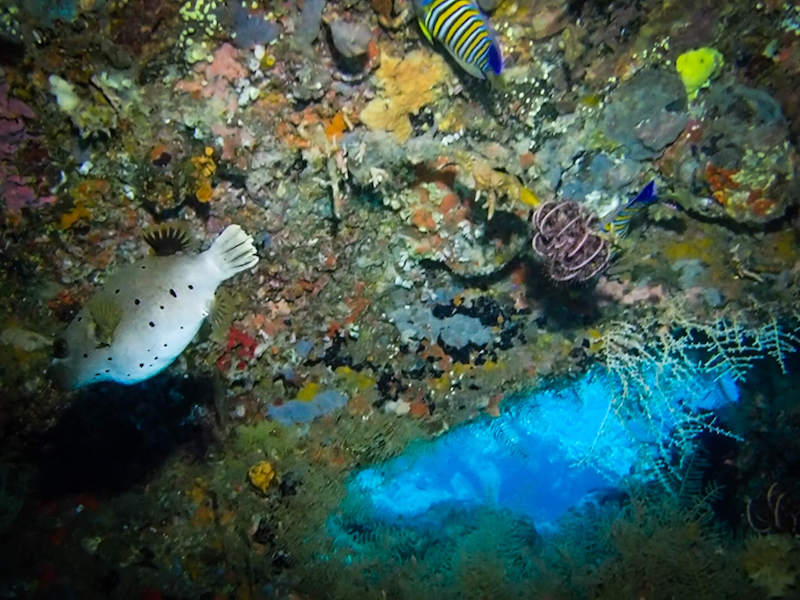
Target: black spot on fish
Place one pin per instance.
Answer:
(191, 287)
(137, 302)
(116, 291)
(60, 348)
(161, 306)
(165, 345)
(108, 370)
(80, 319)
(109, 358)
(151, 324)
(155, 358)
(85, 355)
(143, 267)
(141, 365)
(172, 293)
(181, 326)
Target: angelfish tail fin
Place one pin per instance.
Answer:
(233, 251)
(495, 56)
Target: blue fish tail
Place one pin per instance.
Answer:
(620, 223)
(495, 58)
(648, 195)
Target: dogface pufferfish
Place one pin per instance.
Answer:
(146, 313)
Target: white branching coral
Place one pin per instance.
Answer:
(650, 357)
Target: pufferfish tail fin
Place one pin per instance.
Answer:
(232, 252)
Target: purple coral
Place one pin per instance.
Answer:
(566, 237)
(12, 126)
(15, 189)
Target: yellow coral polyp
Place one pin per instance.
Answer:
(204, 165)
(204, 192)
(267, 62)
(697, 68)
(307, 392)
(77, 213)
(261, 475)
(361, 380)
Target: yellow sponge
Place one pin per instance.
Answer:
(261, 475)
(698, 67)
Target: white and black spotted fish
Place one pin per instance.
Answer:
(147, 312)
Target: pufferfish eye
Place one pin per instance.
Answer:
(60, 348)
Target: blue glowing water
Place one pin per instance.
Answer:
(549, 451)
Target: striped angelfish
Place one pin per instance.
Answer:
(619, 224)
(464, 30)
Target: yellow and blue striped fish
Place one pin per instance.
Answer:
(465, 31)
(618, 226)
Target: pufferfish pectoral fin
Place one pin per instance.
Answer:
(106, 315)
(221, 315)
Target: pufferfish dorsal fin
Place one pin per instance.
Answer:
(166, 239)
(106, 315)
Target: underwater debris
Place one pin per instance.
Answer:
(565, 237)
